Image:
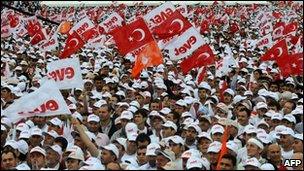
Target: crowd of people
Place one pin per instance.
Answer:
(161, 120)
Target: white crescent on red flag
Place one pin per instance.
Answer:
(277, 51)
(73, 43)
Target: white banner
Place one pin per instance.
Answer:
(185, 44)
(265, 41)
(267, 28)
(66, 73)
(113, 21)
(82, 26)
(159, 14)
(45, 101)
(50, 44)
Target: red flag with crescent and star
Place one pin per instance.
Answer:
(277, 51)
(73, 44)
(131, 36)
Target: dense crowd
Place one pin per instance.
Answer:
(161, 120)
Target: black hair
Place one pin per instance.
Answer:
(248, 112)
(293, 104)
(9, 150)
(274, 103)
(142, 112)
(231, 158)
(142, 137)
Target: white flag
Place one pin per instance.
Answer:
(45, 101)
(265, 41)
(66, 73)
(82, 26)
(113, 21)
(185, 44)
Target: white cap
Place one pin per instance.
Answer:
(177, 140)
(22, 146)
(267, 166)
(3, 128)
(290, 118)
(181, 103)
(217, 129)
(223, 106)
(214, 147)
(205, 135)
(39, 150)
(122, 141)
(55, 148)
(91, 135)
(231, 145)
(249, 129)
(56, 121)
(261, 105)
(252, 162)
(25, 134)
(22, 126)
(52, 133)
(77, 115)
(166, 153)
(6, 121)
(264, 137)
(93, 118)
(151, 148)
(196, 127)
(165, 110)
(131, 128)
(204, 85)
(170, 124)
(113, 149)
(191, 153)
(229, 91)
(99, 103)
(93, 164)
(287, 131)
(298, 136)
(256, 142)
(238, 98)
(277, 116)
(126, 115)
(132, 136)
(23, 166)
(248, 93)
(186, 114)
(11, 143)
(36, 131)
(194, 162)
(135, 103)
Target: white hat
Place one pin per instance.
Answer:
(165, 110)
(277, 116)
(262, 122)
(181, 103)
(23, 63)
(214, 147)
(249, 129)
(191, 153)
(264, 137)
(122, 141)
(287, 131)
(267, 166)
(204, 85)
(11, 143)
(256, 142)
(91, 135)
(290, 118)
(151, 148)
(297, 111)
(77, 115)
(23, 166)
(194, 162)
(270, 113)
(39, 150)
(196, 127)
(113, 149)
(36, 131)
(131, 128)
(52, 133)
(55, 148)
(298, 136)
(248, 93)
(170, 124)
(135, 103)
(177, 140)
(6, 121)
(217, 129)
(238, 98)
(223, 106)
(252, 162)
(231, 145)
(22, 146)
(100, 103)
(166, 153)
(93, 118)
(205, 135)
(121, 93)
(132, 136)
(22, 126)
(56, 121)
(186, 114)
(93, 164)
(126, 115)
(261, 105)
(144, 74)
(229, 91)
(25, 134)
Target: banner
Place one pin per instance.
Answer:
(82, 26)
(66, 73)
(265, 41)
(113, 21)
(185, 44)
(45, 101)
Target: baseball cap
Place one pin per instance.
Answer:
(217, 129)
(22, 146)
(194, 162)
(131, 128)
(204, 135)
(122, 141)
(261, 105)
(267, 166)
(55, 148)
(223, 107)
(264, 138)
(249, 129)
(231, 145)
(287, 131)
(52, 133)
(39, 150)
(204, 85)
(181, 102)
(126, 115)
(113, 149)
(186, 114)
(25, 134)
(191, 153)
(252, 162)
(277, 116)
(290, 118)
(132, 136)
(36, 131)
(91, 135)
(298, 136)
(6, 121)
(165, 110)
(93, 118)
(166, 153)
(229, 91)
(196, 127)
(57, 122)
(177, 140)
(256, 142)
(22, 126)
(214, 147)
(151, 148)
(170, 124)
(11, 143)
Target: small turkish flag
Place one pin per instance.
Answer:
(38, 37)
(174, 25)
(201, 75)
(291, 65)
(234, 27)
(291, 27)
(277, 14)
(277, 51)
(201, 57)
(73, 43)
(204, 26)
(131, 36)
(91, 33)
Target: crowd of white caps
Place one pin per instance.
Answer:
(162, 120)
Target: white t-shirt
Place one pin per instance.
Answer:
(286, 154)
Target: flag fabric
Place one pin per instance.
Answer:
(149, 56)
(73, 43)
(132, 36)
(38, 37)
(291, 65)
(224, 148)
(33, 26)
(204, 27)
(202, 72)
(290, 28)
(175, 24)
(277, 51)
(234, 27)
(203, 56)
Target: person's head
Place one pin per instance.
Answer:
(37, 158)
(104, 112)
(162, 159)
(289, 106)
(204, 123)
(55, 124)
(93, 122)
(191, 133)
(176, 144)
(204, 140)
(243, 116)
(254, 147)
(298, 156)
(98, 82)
(39, 121)
(228, 97)
(274, 153)
(113, 166)
(6, 93)
(142, 140)
(110, 153)
(141, 155)
(140, 116)
(213, 152)
(9, 159)
(298, 143)
(36, 137)
(53, 155)
(169, 129)
(228, 162)
(286, 138)
(73, 164)
(49, 138)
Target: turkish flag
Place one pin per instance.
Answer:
(131, 36)
(277, 14)
(33, 26)
(174, 25)
(73, 43)
(204, 26)
(149, 56)
(234, 27)
(201, 57)
(38, 37)
(278, 30)
(276, 52)
(291, 27)
(291, 65)
(201, 75)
